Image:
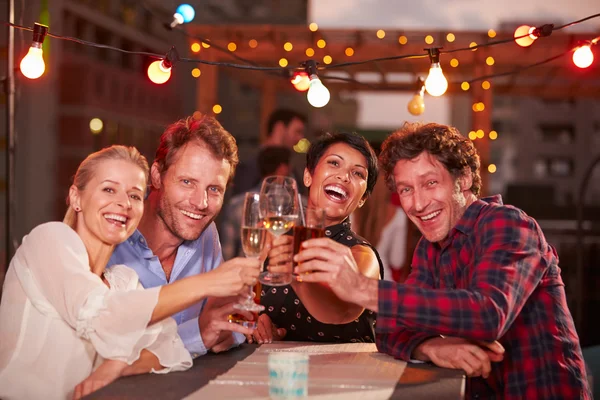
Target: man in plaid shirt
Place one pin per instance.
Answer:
(485, 293)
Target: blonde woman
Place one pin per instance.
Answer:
(68, 326)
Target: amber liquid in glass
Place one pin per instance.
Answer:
(239, 319)
(302, 233)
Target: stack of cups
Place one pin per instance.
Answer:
(288, 375)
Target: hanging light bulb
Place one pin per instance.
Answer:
(318, 95)
(160, 70)
(436, 83)
(32, 65)
(583, 56)
(301, 81)
(525, 35)
(416, 106)
(184, 14)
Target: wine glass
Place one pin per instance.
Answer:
(253, 237)
(279, 210)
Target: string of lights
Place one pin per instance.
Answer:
(306, 76)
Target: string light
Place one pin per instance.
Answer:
(492, 168)
(472, 135)
(473, 46)
(436, 83)
(327, 59)
(380, 33)
(450, 37)
(403, 40)
(217, 109)
(492, 33)
(206, 45)
(493, 135)
(309, 52)
(301, 81)
(160, 70)
(583, 56)
(465, 86)
(253, 43)
(283, 62)
(429, 39)
(490, 61)
(232, 47)
(480, 133)
(416, 105)
(195, 47)
(321, 43)
(184, 14)
(32, 65)
(288, 46)
(196, 72)
(524, 35)
(485, 85)
(313, 27)
(318, 95)
(454, 63)
(349, 51)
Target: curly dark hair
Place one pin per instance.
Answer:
(354, 140)
(453, 150)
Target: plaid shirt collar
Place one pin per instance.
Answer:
(466, 222)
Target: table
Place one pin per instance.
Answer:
(419, 381)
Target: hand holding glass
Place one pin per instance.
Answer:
(311, 226)
(253, 240)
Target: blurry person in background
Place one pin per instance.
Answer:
(274, 160)
(284, 129)
(177, 236)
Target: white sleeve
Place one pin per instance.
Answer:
(54, 261)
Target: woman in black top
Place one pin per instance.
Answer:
(341, 171)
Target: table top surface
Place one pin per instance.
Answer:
(418, 381)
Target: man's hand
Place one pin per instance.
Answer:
(233, 277)
(280, 254)
(326, 261)
(106, 373)
(215, 329)
(266, 331)
(474, 358)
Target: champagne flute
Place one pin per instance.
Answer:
(253, 237)
(279, 210)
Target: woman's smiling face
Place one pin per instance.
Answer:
(338, 183)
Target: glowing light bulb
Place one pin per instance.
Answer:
(159, 72)
(301, 81)
(416, 106)
(436, 83)
(187, 12)
(318, 95)
(583, 56)
(32, 65)
(525, 41)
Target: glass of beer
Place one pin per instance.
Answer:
(310, 226)
(254, 236)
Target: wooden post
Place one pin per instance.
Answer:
(207, 85)
(482, 119)
(267, 105)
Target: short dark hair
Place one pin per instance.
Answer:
(445, 143)
(354, 140)
(203, 128)
(271, 157)
(284, 115)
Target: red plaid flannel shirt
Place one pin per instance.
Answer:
(494, 278)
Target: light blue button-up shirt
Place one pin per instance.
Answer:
(193, 257)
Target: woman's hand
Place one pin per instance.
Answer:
(106, 373)
(233, 277)
(280, 254)
(266, 331)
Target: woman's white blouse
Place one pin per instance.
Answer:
(58, 320)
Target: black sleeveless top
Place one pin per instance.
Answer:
(286, 310)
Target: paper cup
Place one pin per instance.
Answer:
(288, 375)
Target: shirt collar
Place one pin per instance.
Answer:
(466, 222)
(334, 230)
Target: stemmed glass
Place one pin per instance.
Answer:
(253, 236)
(279, 210)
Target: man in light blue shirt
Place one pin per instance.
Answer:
(177, 236)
